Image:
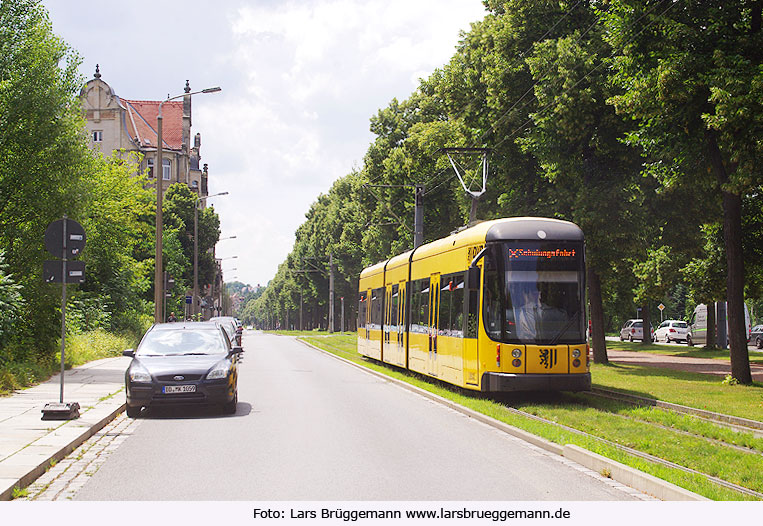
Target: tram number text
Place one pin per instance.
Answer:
(471, 252)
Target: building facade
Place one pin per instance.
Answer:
(115, 124)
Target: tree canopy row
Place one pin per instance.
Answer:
(47, 169)
(639, 121)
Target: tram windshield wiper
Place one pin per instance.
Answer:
(567, 325)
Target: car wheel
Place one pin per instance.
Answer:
(759, 343)
(630, 338)
(133, 412)
(230, 407)
(688, 341)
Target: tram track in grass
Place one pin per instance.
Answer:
(717, 462)
(732, 422)
(646, 456)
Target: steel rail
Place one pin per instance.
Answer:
(734, 422)
(641, 454)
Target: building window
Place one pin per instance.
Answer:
(150, 168)
(97, 136)
(166, 169)
(195, 184)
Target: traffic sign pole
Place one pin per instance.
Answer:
(63, 315)
(63, 238)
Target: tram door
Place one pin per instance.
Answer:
(434, 315)
(401, 324)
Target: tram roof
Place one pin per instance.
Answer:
(505, 229)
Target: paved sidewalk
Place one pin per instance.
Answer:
(29, 444)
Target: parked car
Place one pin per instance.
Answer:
(183, 363)
(672, 331)
(756, 336)
(230, 325)
(634, 330)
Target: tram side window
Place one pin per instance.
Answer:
(362, 310)
(452, 305)
(424, 305)
(393, 305)
(472, 313)
(457, 307)
(416, 299)
(377, 297)
(491, 301)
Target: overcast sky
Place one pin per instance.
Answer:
(300, 81)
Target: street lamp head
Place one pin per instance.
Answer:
(212, 90)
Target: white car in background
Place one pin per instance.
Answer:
(672, 331)
(633, 330)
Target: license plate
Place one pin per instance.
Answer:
(170, 389)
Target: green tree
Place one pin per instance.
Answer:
(178, 215)
(691, 78)
(116, 205)
(44, 157)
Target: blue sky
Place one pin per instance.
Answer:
(300, 81)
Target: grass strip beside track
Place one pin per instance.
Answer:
(644, 429)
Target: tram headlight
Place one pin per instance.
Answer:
(576, 353)
(516, 353)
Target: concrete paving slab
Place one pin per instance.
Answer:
(29, 444)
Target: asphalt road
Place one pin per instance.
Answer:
(309, 427)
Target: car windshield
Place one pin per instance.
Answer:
(182, 342)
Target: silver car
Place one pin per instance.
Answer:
(632, 330)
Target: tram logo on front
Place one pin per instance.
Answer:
(548, 358)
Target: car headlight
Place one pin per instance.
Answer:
(219, 371)
(138, 373)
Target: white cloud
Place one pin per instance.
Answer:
(300, 80)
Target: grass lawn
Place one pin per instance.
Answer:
(647, 429)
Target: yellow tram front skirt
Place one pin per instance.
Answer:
(538, 368)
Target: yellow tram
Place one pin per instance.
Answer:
(499, 306)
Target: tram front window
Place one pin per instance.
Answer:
(534, 293)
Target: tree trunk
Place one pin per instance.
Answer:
(647, 317)
(737, 333)
(598, 342)
(732, 238)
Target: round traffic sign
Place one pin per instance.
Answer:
(69, 247)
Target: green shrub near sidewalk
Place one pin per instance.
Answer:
(80, 348)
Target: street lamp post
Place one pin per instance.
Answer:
(194, 309)
(159, 173)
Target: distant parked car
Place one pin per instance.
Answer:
(233, 329)
(756, 336)
(671, 331)
(633, 330)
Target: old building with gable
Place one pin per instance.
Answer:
(116, 123)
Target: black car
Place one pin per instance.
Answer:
(756, 336)
(183, 363)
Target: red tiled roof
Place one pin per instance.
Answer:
(141, 122)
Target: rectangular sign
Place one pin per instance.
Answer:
(53, 271)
